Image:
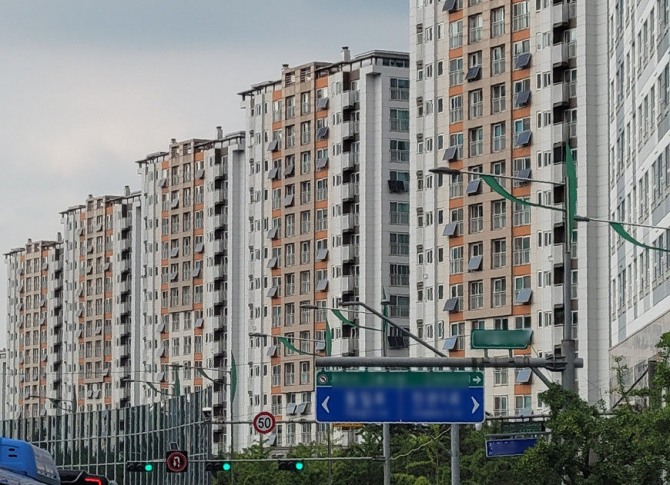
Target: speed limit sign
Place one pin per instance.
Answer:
(264, 422)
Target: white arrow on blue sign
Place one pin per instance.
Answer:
(420, 398)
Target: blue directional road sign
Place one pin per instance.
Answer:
(400, 397)
(508, 447)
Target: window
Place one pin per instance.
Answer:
(520, 15)
(476, 218)
(456, 109)
(498, 60)
(305, 222)
(521, 131)
(521, 283)
(456, 71)
(498, 98)
(455, 185)
(521, 48)
(322, 189)
(456, 260)
(305, 132)
(476, 103)
(305, 163)
(521, 214)
(399, 119)
(475, 24)
(456, 144)
(400, 89)
(521, 91)
(399, 213)
(305, 103)
(499, 253)
(497, 22)
(456, 217)
(399, 306)
(399, 243)
(500, 405)
(521, 250)
(476, 291)
(476, 136)
(500, 376)
(399, 274)
(522, 405)
(499, 218)
(498, 137)
(400, 151)
(455, 34)
(499, 292)
(289, 374)
(521, 168)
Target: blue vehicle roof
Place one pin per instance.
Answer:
(24, 459)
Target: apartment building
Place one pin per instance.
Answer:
(327, 221)
(100, 294)
(505, 87)
(6, 401)
(191, 296)
(32, 370)
(639, 130)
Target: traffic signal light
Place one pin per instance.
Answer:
(218, 466)
(292, 465)
(139, 466)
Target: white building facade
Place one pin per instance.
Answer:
(639, 130)
(503, 88)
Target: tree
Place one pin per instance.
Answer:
(586, 446)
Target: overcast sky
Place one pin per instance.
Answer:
(87, 87)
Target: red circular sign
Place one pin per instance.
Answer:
(176, 461)
(264, 422)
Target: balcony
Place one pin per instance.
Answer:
(561, 132)
(348, 191)
(124, 286)
(348, 99)
(560, 54)
(348, 284)
(350, 346)
(348, 161)
(124, 266)
(560, 94)
(349, 253)
(348, 222)
(219, 170)
(219, 221)
(219, 246)
(349, 129)
(560, 15)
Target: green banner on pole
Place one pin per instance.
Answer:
(571, 191)
(233, 378)
(329, 339)
(342, 318)
(500, 190)
(618, 228)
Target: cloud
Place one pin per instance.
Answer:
(87, 87)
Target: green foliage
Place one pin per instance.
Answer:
(585, 446)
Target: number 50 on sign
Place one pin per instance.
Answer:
(264, 422)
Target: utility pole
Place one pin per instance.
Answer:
(568, 343)
(386, 427)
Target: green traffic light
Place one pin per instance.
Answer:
(299, 465)
(148, 467)
(226, 467)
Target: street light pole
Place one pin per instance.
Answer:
(386, 427)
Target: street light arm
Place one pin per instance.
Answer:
(402, 329)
